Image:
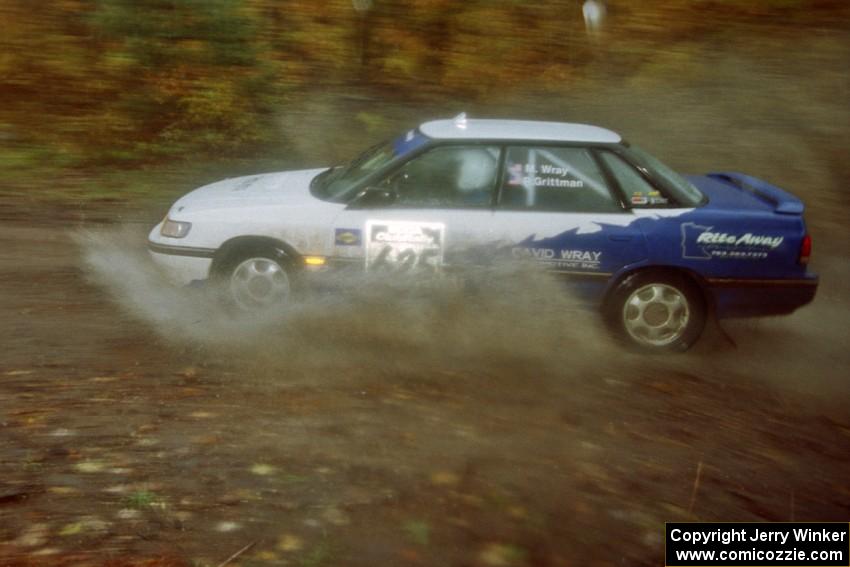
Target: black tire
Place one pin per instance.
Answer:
(657, 311)
(256, 278)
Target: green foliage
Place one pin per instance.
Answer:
(188, 75)
(128, 82)
(321, 554)
(141, 499)
(418, 531)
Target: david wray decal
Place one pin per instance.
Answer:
(571, 250)
(563, 258)
(700, 242)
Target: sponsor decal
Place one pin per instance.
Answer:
(348, 237)
(404, 246)
(700, 242)
(563, 258)
(515, 174)
(546, 175)
(649, 198)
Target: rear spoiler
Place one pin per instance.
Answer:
(783, 202)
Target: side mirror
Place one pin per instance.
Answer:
(373, 197)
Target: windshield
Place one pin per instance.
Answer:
(680, 188)
(339, 183)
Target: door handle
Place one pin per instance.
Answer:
(620, 237)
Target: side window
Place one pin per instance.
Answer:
(638, 191)
(555, 179)
(450, 176)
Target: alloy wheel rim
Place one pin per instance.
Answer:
(656, 314)
(257, 283)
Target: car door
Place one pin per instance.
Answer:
(557, 207)
(440, 212)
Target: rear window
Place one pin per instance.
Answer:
(679, 188)
(639, 193)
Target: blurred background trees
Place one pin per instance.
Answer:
(93, 82)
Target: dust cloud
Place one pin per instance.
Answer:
(504, 320)
(493, 319)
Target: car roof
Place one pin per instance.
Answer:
(462, 128)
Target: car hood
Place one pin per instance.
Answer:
(280, 188)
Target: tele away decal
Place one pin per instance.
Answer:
(700, 242)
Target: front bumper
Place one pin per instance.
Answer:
(182, 265)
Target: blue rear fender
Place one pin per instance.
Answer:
(716, 243)
(662, 270)
(746, 262)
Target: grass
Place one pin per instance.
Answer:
(418, 531)
(33, 178)
(319, 555)
(141, 499)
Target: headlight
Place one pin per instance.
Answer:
(174, 229)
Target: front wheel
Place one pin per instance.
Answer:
(657, 312)
(258, 280)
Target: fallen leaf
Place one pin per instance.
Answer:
(201, 414)
(501, 555)
(335, 516)
(444, 478)
(229, 499)
(61, 432)
(47, 551)
(103, 379)
(128, 514)
(289, 542)
(262, 469)
(188, 372)
(34, 536)
(225, 527)
(89, 466)
(71, 529)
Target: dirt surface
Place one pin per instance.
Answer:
(139, 429)
(142, 425)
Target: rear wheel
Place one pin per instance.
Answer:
(257, 279)
(657, 312)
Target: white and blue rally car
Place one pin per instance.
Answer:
(654, 250)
